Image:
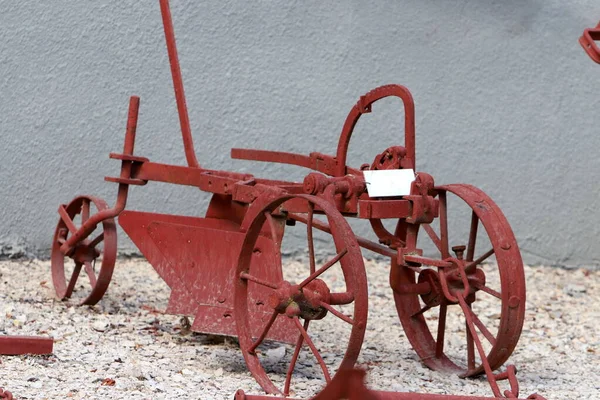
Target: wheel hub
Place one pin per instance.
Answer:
(83, 252)
(305, 302)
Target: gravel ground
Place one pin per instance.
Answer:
(125, 348)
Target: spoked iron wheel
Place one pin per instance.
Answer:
(94, 257)
(326, 299)
(463, 310)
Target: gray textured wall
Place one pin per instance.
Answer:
(505, 98)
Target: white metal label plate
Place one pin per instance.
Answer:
(389, 182)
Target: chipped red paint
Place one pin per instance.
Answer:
(226, 269)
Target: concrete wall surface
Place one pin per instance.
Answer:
(505, 99)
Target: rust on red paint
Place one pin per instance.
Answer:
(225, 268)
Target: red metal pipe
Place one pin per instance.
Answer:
(89, 226)
(17, 345)
(184, 120)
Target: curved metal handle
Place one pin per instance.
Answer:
(363, 106)
(184, 120)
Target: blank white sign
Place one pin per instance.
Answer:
(389, 182)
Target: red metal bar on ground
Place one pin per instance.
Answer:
(350, 385)
(17, 345)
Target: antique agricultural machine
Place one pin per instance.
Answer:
(225, 269)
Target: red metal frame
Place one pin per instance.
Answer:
(224, 268)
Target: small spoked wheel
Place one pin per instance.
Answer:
(323, 298)
(463, 309)
(94, 256)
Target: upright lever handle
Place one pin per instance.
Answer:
(184, 120)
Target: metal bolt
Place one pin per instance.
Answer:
(459, 251)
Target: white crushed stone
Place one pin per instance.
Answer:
(124, 348)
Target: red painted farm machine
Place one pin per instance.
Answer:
(226, 269)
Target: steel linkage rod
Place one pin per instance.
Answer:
(184, 120)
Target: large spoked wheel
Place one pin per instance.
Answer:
(94, 256)
(459, 313)
(327, 292)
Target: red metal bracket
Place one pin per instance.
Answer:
(588, 42)
(5, 394)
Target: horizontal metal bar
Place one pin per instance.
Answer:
(127, 157)
(362, 242)
(209, 181)
(384, 209)
(428, 261)
(272, 156)
(17, 345)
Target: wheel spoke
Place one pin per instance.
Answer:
(486, 333)
(433, 236)
(471, 266)
(421, 311)
(89, 270)
(470, 348)
(97, 240)
(309, 234)
(73, 279)
(67, 219)
(339, 299)
(263, 334)
(85, 210)
(288, 377)
(472, 236)
(439, 347)
(337, 313)
(444, 226)
(488, 290)
(259, 281)
(314, 350)
(324, 268)
(471, 327)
